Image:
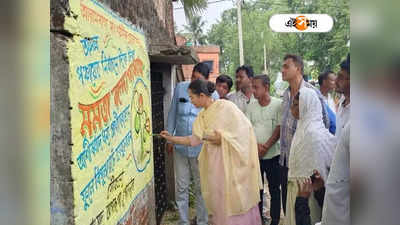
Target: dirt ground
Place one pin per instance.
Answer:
(171, 216)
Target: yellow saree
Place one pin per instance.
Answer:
(230, 172)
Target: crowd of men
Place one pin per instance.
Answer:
(284, 128)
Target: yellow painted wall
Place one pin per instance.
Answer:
(112, 159)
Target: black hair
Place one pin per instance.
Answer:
(323, 76)
(264, 79)
(248, 69)
(203, 69)
(225, 79)
(297, 60)
(345, 65)
(202, 86)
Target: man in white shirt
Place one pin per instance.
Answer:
(336, 208)
(244, 94)
(327, 84)
(343, 87)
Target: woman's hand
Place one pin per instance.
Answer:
(215, 140)
(178, 140)
(165, 135)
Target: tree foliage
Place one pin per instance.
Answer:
(193, 7)
(320, 51)
(194, 30)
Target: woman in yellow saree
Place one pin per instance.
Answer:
(228, 162)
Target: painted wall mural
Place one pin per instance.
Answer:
(111, 113)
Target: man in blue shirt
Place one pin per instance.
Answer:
(180, 119)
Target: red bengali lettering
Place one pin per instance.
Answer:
(138, 67)
(95, 114)
(101, 113)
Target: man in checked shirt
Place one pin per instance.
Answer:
(292, 72)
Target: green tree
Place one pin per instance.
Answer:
(324, 50)
(195, 30)
(256, 33)
(193, 7)
(320, 51)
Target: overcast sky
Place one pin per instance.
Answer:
(210, 15)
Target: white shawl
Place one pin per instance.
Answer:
(312, 146)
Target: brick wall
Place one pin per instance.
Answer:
(210, 53)
(155, 18)
(205, 53)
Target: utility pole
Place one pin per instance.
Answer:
(265, 59)
(265, 53)
(239, 15)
